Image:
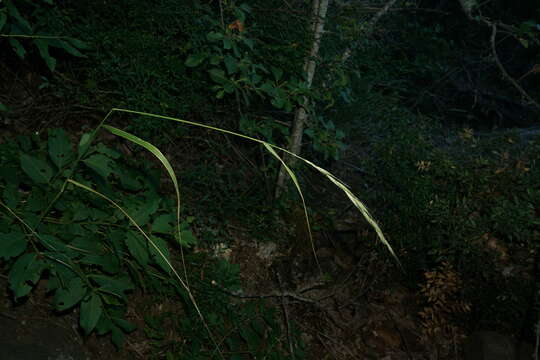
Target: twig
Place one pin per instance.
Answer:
(537, 345)
(286, 316)
(277, 294)
(503, 70)
(370, 27)
(9, 316)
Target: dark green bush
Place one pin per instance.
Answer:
(463, 199)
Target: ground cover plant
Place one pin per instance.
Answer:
(85, 244)
(90, 255)
(412, 105)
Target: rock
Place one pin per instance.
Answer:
(490, 345)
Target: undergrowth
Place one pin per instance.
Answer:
(468, 201)
(93, 259)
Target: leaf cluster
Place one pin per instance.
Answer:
(88, 252)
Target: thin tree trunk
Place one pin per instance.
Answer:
(369, 27)
(318, 18)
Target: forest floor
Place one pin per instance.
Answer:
(350, 303)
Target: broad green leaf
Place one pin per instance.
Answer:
(277, 72)
(259, 327)
(116, 238)
(161, 257)
(255, 78)
(12, 196)
(128, 179)
(195, 59)
(113, 154)
(188, 238)
(62, 44)
(164, 224)
(12, 244)
(37, 169)
(84, 143)
(79, 44)
(218, 76)
(214, 36)
(227, 43)
(101, 164)
(20, 21)
(43, 48)
(69, 296)
(59, 147)
(124, 324)
(249, 42)
(91, 310)
(215, 59)
(37, 201)
(117, 286)
(278, 102)
(80, 211)
(17, 47)
(2, 106)
(87, 244)
(54, 244)
(245, 7)
(24, 274)
(104, 325)
(250, 337)
(108, 262)
(230, 64)
(61, 274)
(141, 211)
(117, 336)
(3, 19)
(268, 88)
(138, 248)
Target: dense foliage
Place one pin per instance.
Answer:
(429, 95)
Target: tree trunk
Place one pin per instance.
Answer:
(318, 17)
